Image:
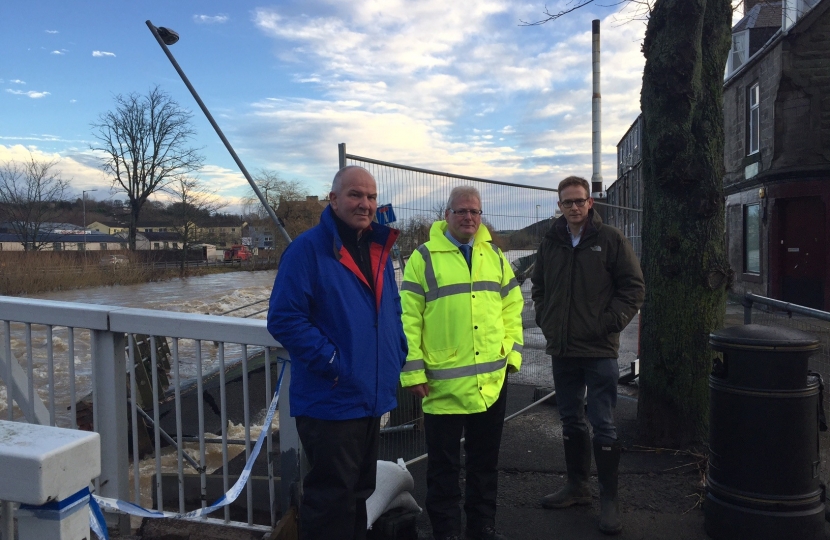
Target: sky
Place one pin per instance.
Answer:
(456, 86)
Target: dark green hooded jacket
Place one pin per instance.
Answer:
(585, 295)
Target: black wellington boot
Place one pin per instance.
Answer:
(607, 457)
(578, 464)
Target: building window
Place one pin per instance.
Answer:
(175, 245)
(753, 119)
(156, 245)
(103, 246)
(738, 51)
(81, 246)
(752, 238)
(57, 246)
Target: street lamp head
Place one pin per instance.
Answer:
(168, 36)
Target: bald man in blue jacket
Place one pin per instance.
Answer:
(335, 307)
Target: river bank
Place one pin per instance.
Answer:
(24, 274)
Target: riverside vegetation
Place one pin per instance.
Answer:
(23, 273)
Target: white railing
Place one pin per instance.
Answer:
(221, 369)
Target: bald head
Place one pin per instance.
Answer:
(354, 197)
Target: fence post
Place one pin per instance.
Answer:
(341, 151)
(289, 446)
(747, 303)
(7, 521)
(109, 367)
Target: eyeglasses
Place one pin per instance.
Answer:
(570, 202)
(464, 212)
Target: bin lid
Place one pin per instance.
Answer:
(756, 336)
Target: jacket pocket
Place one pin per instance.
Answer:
(441, 358)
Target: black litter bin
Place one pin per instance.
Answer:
(762, 481)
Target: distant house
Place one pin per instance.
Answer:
(777, 151)
(222, 233)
(108, 227)
(65, 242)
(154, 240)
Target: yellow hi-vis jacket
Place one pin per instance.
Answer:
(463, 327)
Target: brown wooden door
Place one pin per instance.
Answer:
(803, 255)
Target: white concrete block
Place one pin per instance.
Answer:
(41, 464)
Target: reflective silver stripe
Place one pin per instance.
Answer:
(465, 371)
(486, 286)
(518, 348)
(429, 271)
(447, 290)
(412, 365)
(412, 287)
(501, 259)
(509, 287)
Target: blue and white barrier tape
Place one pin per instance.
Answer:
(96, 517)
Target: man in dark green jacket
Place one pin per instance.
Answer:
(587, 286)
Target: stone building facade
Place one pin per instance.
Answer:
(777, 151)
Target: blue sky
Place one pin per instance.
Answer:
(451, 86)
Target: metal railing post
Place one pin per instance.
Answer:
(110, 398)
(7, 521)
(341, 155)
(289, 446)
(747, 303)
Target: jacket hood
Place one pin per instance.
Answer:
(437, 234)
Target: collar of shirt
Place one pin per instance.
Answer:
(455, 242)
(575, 239)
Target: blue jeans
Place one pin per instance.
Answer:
(571, 376)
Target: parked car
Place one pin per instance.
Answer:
(238, 252)
(114, 260)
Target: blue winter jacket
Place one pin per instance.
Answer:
(346, 342)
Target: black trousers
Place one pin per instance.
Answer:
(482, 432)
(343, 457)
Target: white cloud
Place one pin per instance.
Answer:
(57, 52)
(51, 31)
(79, 174)
(210, 19)
(17, 81)
(102, 53)
(31, 93)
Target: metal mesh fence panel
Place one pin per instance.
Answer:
(517, 215)
(819, 362)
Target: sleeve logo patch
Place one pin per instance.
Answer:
(596, 248)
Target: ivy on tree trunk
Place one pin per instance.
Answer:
(684, 251)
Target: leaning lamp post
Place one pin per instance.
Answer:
(165, 37)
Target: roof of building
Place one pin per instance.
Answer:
(52, 237)
(761, 15)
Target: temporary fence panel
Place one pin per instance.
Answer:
(518, 215)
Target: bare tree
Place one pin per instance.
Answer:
(29, 197)
(684, 252)
(193, 201)
(145, 146)
(280, 195)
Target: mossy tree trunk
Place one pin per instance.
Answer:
(684, 252)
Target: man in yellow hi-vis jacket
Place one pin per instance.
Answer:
(462, 315)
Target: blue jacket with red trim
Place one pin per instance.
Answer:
(346, 342)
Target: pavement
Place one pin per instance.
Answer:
(661, 490)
